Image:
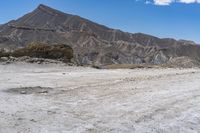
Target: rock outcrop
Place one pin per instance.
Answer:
(92, 43)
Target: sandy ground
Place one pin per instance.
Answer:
(91, 100)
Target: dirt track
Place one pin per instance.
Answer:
(90, 100)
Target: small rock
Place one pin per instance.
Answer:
(20, 119)
(43, 91)
(23, 92)
(1, 112)
(51, 112)
(4, 58)
(33, 120)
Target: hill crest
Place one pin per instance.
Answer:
(92, 43)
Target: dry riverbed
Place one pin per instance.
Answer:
(62, 99)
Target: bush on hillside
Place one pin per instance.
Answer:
(39, 50)
(3, 53)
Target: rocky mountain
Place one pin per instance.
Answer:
(92, 43)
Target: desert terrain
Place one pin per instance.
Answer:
(54, 98)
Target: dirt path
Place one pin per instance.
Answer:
(89, 100)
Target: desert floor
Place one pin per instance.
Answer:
(81, 99)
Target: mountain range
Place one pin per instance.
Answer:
(92, 43)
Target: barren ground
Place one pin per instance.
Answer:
(78, 99)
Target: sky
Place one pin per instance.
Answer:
(179, 19)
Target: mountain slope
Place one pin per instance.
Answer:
(92, 43)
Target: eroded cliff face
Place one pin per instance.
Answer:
(92, 43)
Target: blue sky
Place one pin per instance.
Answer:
(162, 18)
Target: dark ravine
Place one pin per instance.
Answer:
(92, 43)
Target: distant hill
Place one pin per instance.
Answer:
(92, 43)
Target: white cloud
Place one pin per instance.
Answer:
(168, 2)
(163, 2)
(188, 1)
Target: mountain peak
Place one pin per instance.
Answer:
(48, 10)
(42, 6)
(91, 42)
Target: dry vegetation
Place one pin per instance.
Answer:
(129, 66)
(40, 50)
(3, 53)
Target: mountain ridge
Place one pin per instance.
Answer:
(92, 43)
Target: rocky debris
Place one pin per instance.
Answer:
(3, 59)
(184, 62)
(26, 59)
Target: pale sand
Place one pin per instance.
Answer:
(91, 100)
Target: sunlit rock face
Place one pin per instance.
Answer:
(92, 43)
